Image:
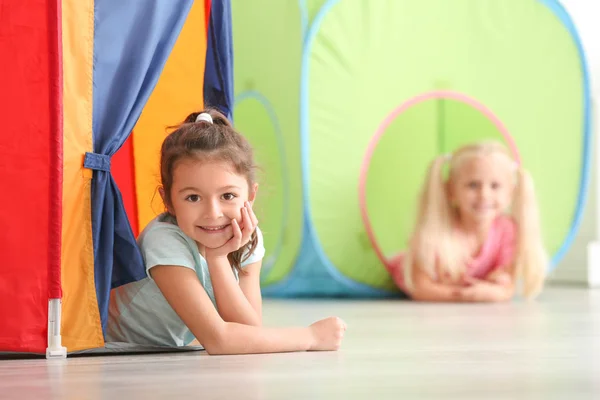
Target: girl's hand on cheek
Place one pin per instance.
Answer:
(241, 233)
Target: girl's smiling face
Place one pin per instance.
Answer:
(206, 197)
(481, 189)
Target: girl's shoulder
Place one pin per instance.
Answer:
(162, 226)
(162, 242)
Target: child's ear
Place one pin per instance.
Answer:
(252, 194)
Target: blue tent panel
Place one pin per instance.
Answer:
(218, 73)
(132, 41)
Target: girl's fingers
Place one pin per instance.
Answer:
(251, 214)
(248, 228)
(237, 232)
(248, 219)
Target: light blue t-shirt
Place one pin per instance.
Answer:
(138, 312)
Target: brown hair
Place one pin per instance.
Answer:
(206, 141)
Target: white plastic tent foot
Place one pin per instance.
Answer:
(55, 348)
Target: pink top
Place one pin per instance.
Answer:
(497, 251)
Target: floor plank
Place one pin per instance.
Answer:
(547, 349)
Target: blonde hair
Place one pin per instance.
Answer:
(434, 246)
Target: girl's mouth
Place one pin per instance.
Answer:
(214, 229)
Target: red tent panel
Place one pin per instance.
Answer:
(30, 171)
(123, 171)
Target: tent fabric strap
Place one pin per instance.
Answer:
(97, 162)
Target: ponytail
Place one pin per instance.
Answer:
(531, 259)
(433, 246)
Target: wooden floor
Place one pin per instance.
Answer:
(549, 349)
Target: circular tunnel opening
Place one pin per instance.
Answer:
(399, 153)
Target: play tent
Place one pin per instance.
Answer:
(91, 85)
(346, 101)
(77, 78)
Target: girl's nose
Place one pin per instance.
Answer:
(485, 192)
(212, 210)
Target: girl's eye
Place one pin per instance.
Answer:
(229, 196)
(495, 185)
(473, 185)
(194, 198)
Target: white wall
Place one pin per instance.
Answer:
(574, 268)
(586, 15)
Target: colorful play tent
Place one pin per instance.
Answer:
(317, 80)
(77, 78)
(325, 90)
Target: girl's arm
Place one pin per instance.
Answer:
(497, 286)
(426, 289)
(250, 286)
(184, 292)
(241, 302)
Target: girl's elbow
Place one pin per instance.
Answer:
(422, 294)
(215, 342)
(216, 349)
(417, 292)
(424, 291)
(416, 295)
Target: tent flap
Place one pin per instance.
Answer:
(132, 41)
(218, 74)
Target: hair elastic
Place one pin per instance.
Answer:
(204, 117)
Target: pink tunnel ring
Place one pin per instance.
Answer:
(364, 170)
